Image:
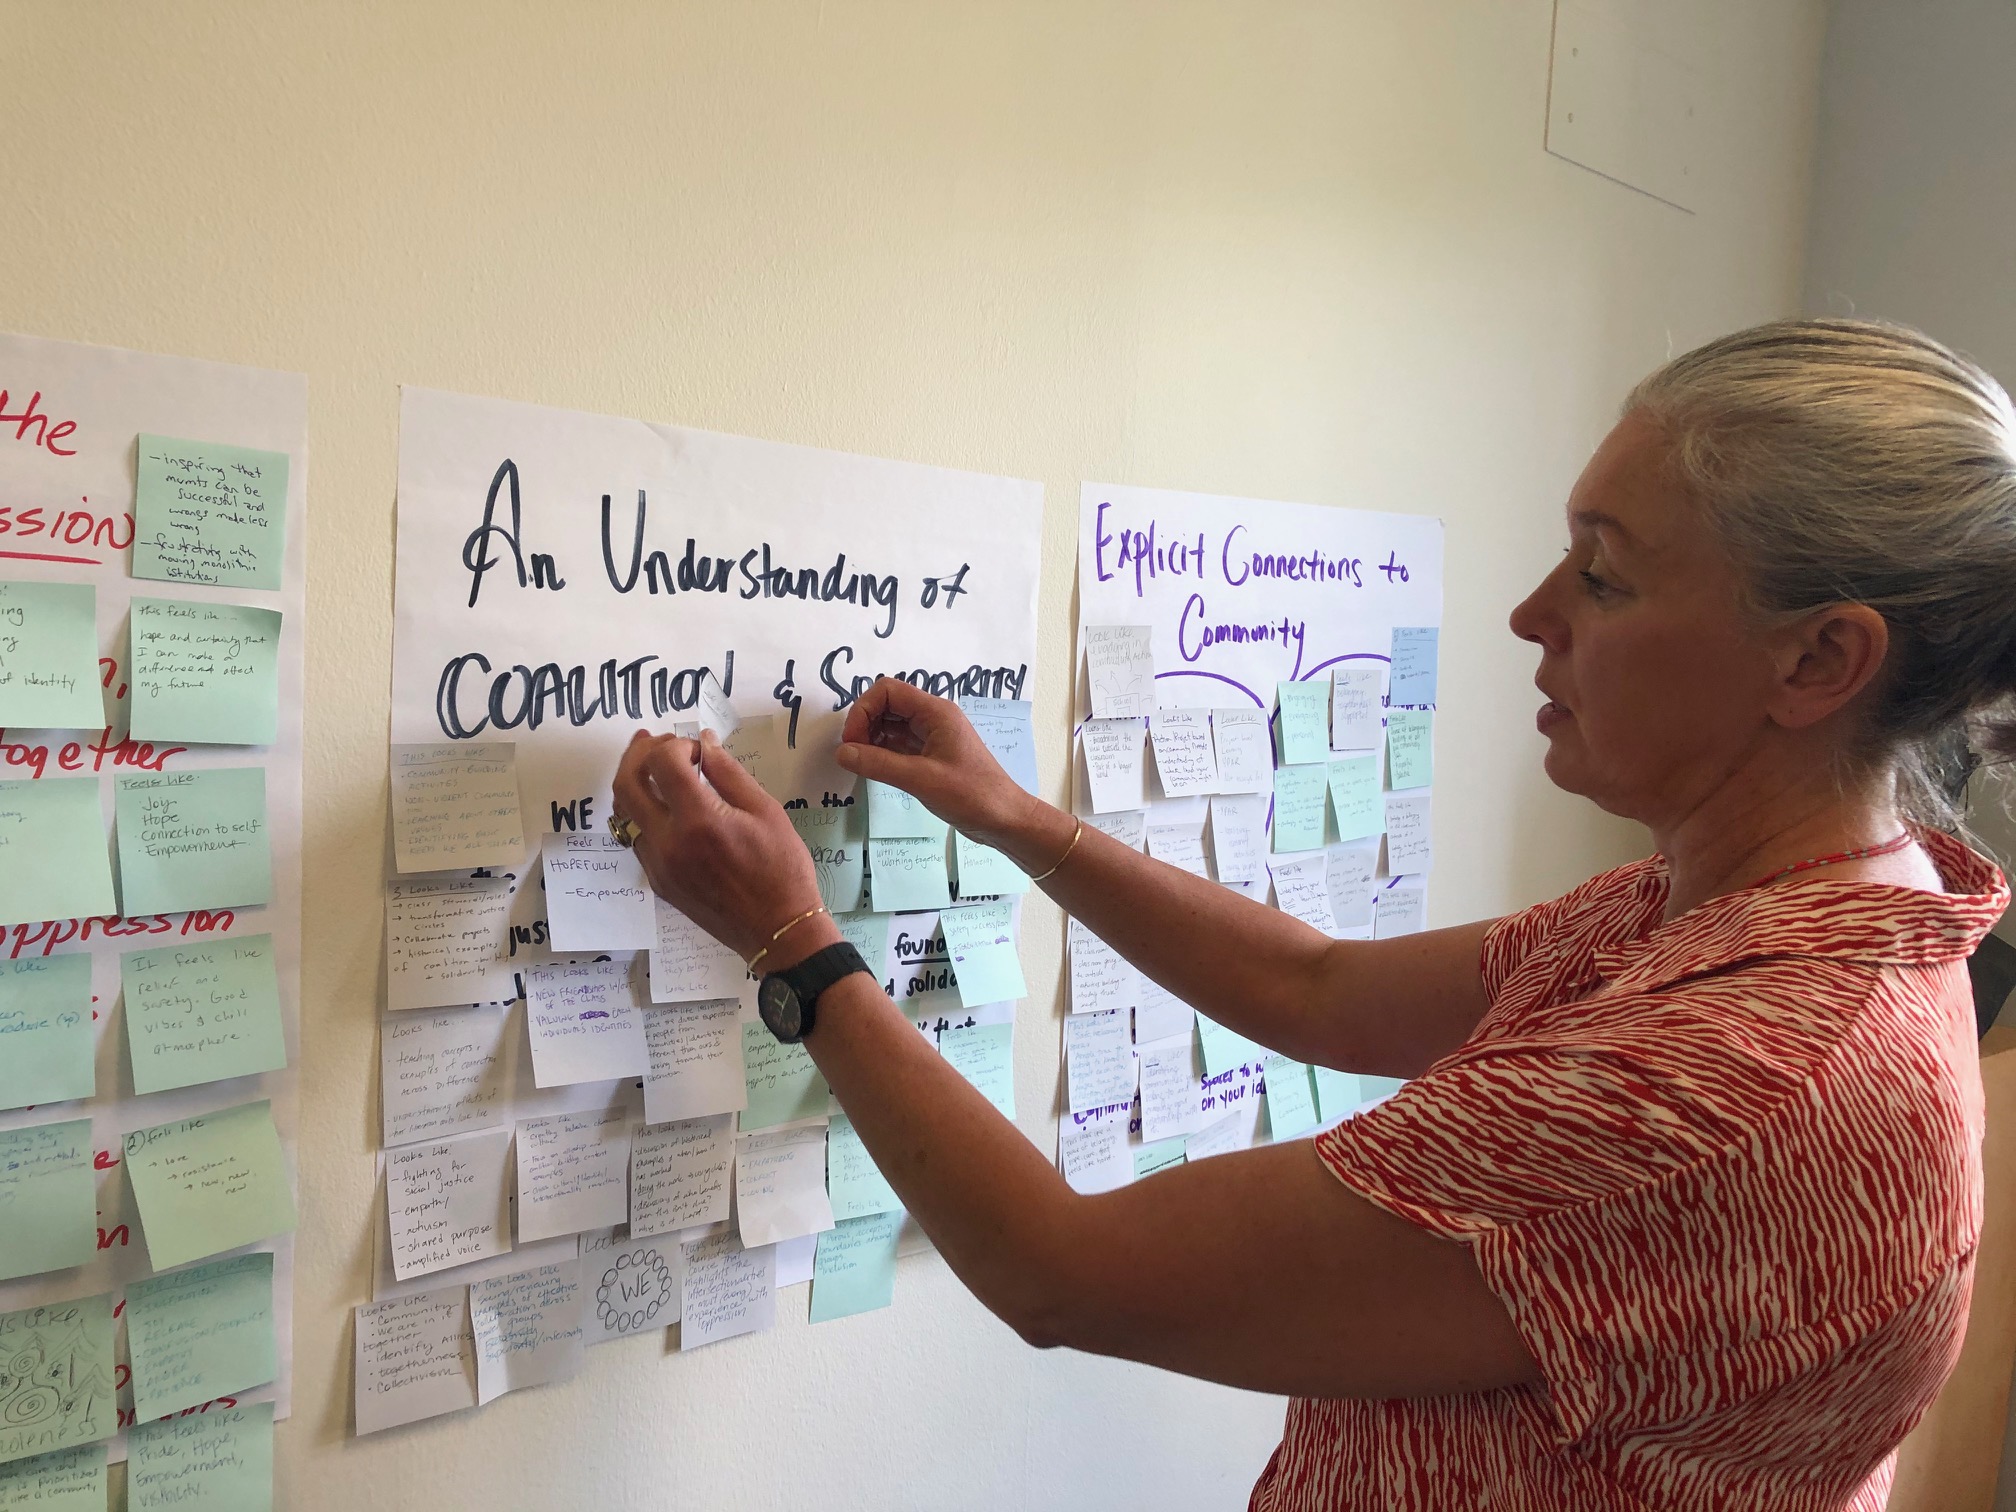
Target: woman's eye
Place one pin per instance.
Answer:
(1596, 586)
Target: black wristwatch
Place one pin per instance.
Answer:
(787, 999)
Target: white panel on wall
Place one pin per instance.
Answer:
(1621, 99)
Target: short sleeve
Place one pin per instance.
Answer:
(1518, 937)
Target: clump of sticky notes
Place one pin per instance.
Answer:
(49, 657)
(456, 806)
(45, 1030)
(198, 1334)
(210, 1183)
(205, 512)
(205, 673)
(71, 1343)
(53, 859)
(194, 839)
(201, 1013)
(48, 1206)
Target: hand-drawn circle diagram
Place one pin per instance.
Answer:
(634, 1291)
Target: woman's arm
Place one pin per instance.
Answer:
(1387, 1007)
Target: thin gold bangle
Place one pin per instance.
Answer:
(1067, 853)
(810, 912)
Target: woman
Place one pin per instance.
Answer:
(1679, 1207)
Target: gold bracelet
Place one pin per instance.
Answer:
(1067, 853)
(810, 912)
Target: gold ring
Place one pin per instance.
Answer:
(625, 830)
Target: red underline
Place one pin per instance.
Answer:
(42, 556)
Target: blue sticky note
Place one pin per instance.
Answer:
(1291, 1098)
(894, 815)
(980, 939)
(1414, 656)
(854, 1268)
(48, 1200)
(1299, 793)
(985, 1055)
(205, 512)
(49, 657)
(908, 874)
(1305, 721)
(1354, 793)
(855, 1185)
(194, 839)
(1006, 727)
(53, 861)
(45, 1030)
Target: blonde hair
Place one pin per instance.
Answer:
(1857, 461)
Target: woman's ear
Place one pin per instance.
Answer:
(1824, 660)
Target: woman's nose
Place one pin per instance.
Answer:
(1535, 618)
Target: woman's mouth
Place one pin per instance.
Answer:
(1551, 714)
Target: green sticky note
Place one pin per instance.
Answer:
(204, 512)
(195, 1335)
(908, 875)
(894, 815)
(194, 840)
(1223, 1049)
(868, 933)
(205, 673)
(1336, 1093)
(209, 1184)
(48, 1204)
(985, 1055)
(854, 1268)
(53, 861)
(1298, 808)
(1159, 1156)
(200, 1013)
(1291, 1098)
(985, 872)
(980, 941)
(784, 1085)
(70, 1480)
(855, 1185)
(1354, 793)
(1410, 747)
(1373, 1088)
(49, 657)
(834, 837)
(1304, 728)
(46, 1050)
(220, 1461)
(57, 1369)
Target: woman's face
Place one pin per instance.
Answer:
(1657, 686)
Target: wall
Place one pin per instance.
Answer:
(1307, 251)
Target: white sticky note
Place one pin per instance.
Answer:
(443, 1072)
(1120, 670)
(1185, 761)
(780, 1186)
(527, 1327)
(1351, 868)
(1409, 845)
(727, 1290)
(1302, 889)
(757, 746)
(1399, 909)
(1098, 1059)
(1245, 750)
(1357, 705)
(714, 711)
(596, 895)
(1171, 1088)
(1181, 845)
(1160, 1014)
(573, 1173)
(448, 1202)
(1239, 837)
(679, 1174)
(688, 965)
(415, 1359)
(1092, 1153)
(446, 942)
(455, 806)
(1219, 1137)
(1101, 978)
(584, 1023)
(628, 1286)
(694, 1061)
(1113, 765)
(1128, 826)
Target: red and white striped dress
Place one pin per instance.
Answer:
(1725, 1174)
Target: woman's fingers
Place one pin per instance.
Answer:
(879, 765)
(671, 765)
(631, 787)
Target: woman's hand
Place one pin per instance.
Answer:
(714, 844)
(901, 735)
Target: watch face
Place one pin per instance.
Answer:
(778, 1004)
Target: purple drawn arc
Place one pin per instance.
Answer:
(1215, 677)
(1347, 656)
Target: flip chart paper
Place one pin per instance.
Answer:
(220, 1460)
(205, 673)
(1356, 706)
(679, 1174)
(444, 1072)
(780, 1186)
(596, 895)
(202, 1012)
(980, 938)
(527, 1327)
(448, 1202)
(1101, 978)
(1224, 1050)
(1180, 845)
(694, 1062)
(193, 839)
(1291, 1098)
(70, 1480)
(1158, 1156)
(1244, 748)
(53, 861)
(1113, 764)
(895, 815)
(1305, 722)
(205, 512)
(1354, 793)
(1171, 1089)
(1409, 842)
(854, 1183)
(1185, 761)
(628, 1286)
(455, 806)
(1161, 1014)
(1006, 727)
(1092, 1152)
(1410, 747)
(46, 1048)
(195, 1335)
(985, 1055)
(688, 965)
(855, 1271)
(445, 942)
(1350, 875)
(1414, 661)
(838, 849)
(908, 874)
(573, 1173)
(48, 1208)
(1336, 1093)
(985, 872)
(1298, 808)
(585, 1023)
(49, 657)
(784, 1085)
(1099, 1059)
(1302, 889)
(1129, 827)
(1239, 837)
(71, 1398)
(727, 1290)
(416, 1359)
(1399, 911)
(210, 1183)
(1120, 670)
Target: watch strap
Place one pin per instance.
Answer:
(821, 970)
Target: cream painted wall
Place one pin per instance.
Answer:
(1308, 251)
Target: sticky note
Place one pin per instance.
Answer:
(780, 1186)
(908, 874)
(1350, 869)
(1092, 1152)
(1399, 910)
(1244, 750)
(985, 872)
(527, 1327)
(1129, 827)
(415, 1359)
(727, 1290)
(679, 1174)
(49, 657)
(70, 1480)
(1180, 846)
(1157, 1156)
(1357, 706)
(784, 1085)
(714, 711)
(74, 1397)
(596, 895)
(210, 1183)
(204, 512)
(448, 1202)
(1113, 767)
(1239, 837)
(1291, 1098)
(628, 1286)
(980, 939)
(1299, 808)
(205, 673)
(1185, 761)
(584, 1023)
(1304, 729)
(837, 839)
(46, 1047)
(1171, 1089)
(193, 839)
(1101, 978)
(1409, 842)
(855, 1271)
(1220, 1137)
(855, 1185)
(202, 1012)
(53, 861)
(1161, 1014)
(985, 1055)
(1224, 1049)
(1354, 793)
(1336, 1093)
(221, 1460)
(1120, 670)
(455, 806)
(894, 815)
(756, 746)
(199, 1334)
(1414, 657)
(48, 1203)
(445, 942)
(1098, 1059)
(443, 1072)
(1302, 890)
(693, 1054)
(573, 1173)
(1410, 747)
(688, 965)
(1006, 727)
